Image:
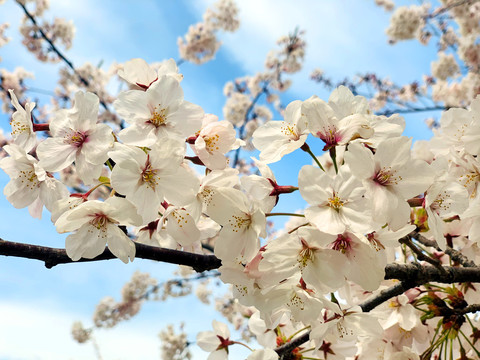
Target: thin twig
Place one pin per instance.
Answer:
(57, 51)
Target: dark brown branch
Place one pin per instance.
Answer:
(53, 256)
(410, 275)
(385, 295)
(455, 255)
(420, 255)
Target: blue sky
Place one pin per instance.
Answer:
(344, 37)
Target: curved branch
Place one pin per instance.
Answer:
(57, 51)
(54, 256)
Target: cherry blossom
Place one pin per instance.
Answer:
(147, 179)
(76, 137)
(95, 225)
(278, 138)
(157, 113)
(29, 184)
(22, 124)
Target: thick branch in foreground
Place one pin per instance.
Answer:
(54, 256)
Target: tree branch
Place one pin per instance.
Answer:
(57, 51)
(54, 256)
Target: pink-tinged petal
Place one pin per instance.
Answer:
(226, 203)
(180, 188)
(55, 154)
(365, 269)
(400, 216)
(138, 135)
(88, 173)
(98, 143)
(137, 72)
(74, 219)
(187, 119)
(52, 190)
(133, 106)
(126, 177)
(319, 115)
(181, 226)
(328, 269)
(120, 244)
(218, 355)
(436, 226)
(84, 114)
(344, 103)
(165, 91)
(416, 177)
(314, 185)
(147, 201)
(123, 211)
(35, 209)
(474, 232)
(326, 219)
(208, 341)
(384, 202)
(123, 152)
(394, 152)
(360, 160)
(20, 196)
(88, 242)
(357, 216)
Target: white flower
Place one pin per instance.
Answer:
(335, 128)
(141, 75)
(216, 342)
(29, 184)
(76, 137)
(336, 204)
(157, 113)
(305, 251)
(391, 177)
(215, 139)
(22, 125)
(138, 73)
(95, 223)
(278, 138)
(148, 179)
(242, 224)
(263, 189)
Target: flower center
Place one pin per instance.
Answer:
(335, 202)
(306, 254)
(159, 117)
(329, 136)
(342, 244)
(238, 222)
(29, 179)
(386, 176)
(19, 127)
(76, 138)
(290, 131)
(211, 142)
(149, 175)
(100, 221)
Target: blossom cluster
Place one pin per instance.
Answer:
(366, 192)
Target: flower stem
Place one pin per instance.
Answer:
(298, 331)
(283, 214)
(333, 155)
(240, 343)
(306, 148)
